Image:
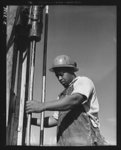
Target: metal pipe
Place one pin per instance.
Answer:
(44, 76)
(31, 84)
(35, 20)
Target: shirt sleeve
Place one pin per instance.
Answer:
(83, 86)
(55, 115)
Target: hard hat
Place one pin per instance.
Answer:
(64, 61)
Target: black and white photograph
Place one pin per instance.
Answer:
(61, 75)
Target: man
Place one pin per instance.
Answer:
(76, 110)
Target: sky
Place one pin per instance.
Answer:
(88, 35)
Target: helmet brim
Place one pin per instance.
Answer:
(66, 66)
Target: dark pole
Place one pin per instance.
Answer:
(44, 76)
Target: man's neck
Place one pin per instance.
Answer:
(73, 78)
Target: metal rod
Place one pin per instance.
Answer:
(30, 95)
(44, 76)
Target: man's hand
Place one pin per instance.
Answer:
(34, 107)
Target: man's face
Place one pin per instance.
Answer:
(64, 76)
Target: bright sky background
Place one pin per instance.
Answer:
(88, 35)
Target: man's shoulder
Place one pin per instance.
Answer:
(83, 78)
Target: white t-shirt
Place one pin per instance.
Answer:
(85, 86)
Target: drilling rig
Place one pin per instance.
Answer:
(25, 26)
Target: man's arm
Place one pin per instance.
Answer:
(48, 121)
(68, 102)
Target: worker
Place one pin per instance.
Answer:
(75, 110)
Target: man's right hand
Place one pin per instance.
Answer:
(34, 107)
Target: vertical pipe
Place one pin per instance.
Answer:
(35, 15)
(30, 93)
(44, 76)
